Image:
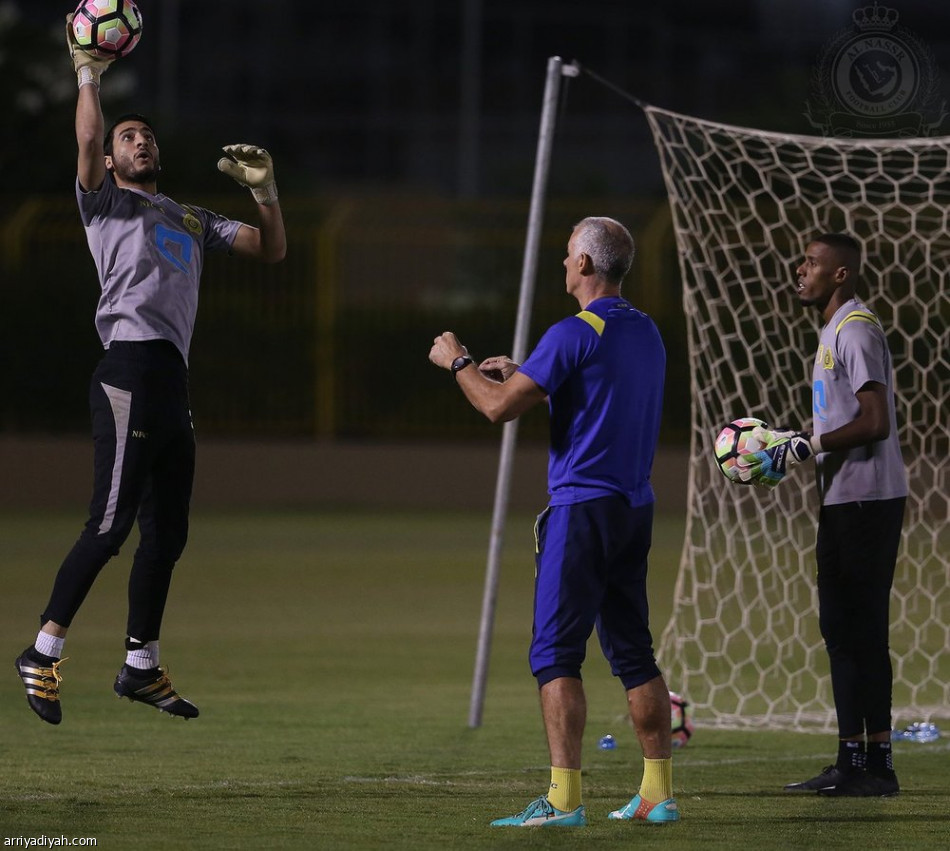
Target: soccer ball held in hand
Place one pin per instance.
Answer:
(107, 29)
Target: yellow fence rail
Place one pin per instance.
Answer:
(332, 343)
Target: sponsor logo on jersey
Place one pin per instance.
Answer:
(174, 246)
(191, 222)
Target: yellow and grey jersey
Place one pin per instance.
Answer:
(853, 351)
(149, 251)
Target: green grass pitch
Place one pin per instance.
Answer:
(331, 656)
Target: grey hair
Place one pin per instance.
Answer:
(608, 244)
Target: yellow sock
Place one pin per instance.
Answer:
(565, 791)
(657, 783)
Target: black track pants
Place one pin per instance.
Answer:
(144, 449)
(856, 551)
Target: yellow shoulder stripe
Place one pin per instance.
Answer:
(593, 320)
(863, 315)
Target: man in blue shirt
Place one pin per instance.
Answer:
(602, 372)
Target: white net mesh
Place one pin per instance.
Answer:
(743, 642)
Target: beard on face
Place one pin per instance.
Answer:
(127, 170)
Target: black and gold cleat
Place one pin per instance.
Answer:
(41, 678)
(153, 687)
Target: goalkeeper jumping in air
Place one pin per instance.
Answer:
(602, 371)
(862, 489)
(149, 251)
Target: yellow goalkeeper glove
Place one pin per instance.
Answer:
(251, 167)
(88, 67)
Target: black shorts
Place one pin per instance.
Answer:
(141, 427)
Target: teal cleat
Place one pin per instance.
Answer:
(540, 813)
(640, 810)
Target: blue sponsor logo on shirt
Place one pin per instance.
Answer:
(820, 402)
(167, 239)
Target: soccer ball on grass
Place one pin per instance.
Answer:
(107, 28)
(734, 440)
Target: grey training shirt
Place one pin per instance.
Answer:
(149, 251)
(852, 351)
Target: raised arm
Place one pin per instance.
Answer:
(253, 167)
(268, 242)
(91, 168)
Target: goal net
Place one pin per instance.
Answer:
(743, 642)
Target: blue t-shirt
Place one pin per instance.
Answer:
(603, 371)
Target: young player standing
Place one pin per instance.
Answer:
(862, 488)
(149, 252)
(603, 373)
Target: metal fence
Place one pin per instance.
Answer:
(332, 342)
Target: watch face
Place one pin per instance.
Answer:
(460, 362)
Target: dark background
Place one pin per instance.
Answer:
(420, 118)
(438, 96)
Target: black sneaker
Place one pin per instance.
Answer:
(830, 775)
(41, 678)
(865, 784)
(154, 688)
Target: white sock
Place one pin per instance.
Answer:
(49, 645)
(143, 658)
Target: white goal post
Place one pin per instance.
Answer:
(743, 641)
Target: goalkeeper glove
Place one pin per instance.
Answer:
(783, 449)
(251, 167)
(88, 67)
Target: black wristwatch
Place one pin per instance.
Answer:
(460, 362)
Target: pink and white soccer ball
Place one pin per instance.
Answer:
(734, 441)
(107, 28)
